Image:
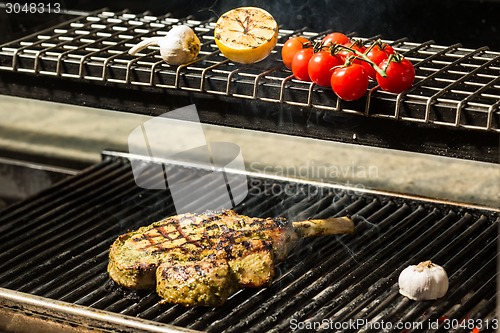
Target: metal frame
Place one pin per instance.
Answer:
(277, 178)
(73, 315)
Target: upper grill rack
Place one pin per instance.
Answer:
(454, 86)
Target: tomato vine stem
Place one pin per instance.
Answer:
(358, 55)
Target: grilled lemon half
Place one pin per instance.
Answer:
(246, 35)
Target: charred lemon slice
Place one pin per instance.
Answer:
(246, 35)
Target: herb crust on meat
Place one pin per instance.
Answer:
(201, 259)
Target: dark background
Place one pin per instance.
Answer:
(473, 23)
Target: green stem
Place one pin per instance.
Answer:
(364, 57)
(377, 42)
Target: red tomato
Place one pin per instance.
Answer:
(368, 68)
(377, 54)
(356, 45)
(291, 47)
(349, 82)
(321, 67)
(387, 48)
(335, 38)
(300, 64)
(400, 75)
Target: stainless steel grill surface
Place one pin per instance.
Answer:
(55, 245)
(454, 86)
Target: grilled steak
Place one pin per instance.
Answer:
(201, 259)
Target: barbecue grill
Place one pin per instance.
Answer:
(54, 244)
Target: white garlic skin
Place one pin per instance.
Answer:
(425, 281)
(179, 46)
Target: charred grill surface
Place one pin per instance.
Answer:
(56, 245)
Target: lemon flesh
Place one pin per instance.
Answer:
(246, 35)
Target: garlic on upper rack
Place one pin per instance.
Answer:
(179, 46)
(425, 281)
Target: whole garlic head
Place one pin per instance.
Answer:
(425, 281)
(179, 46)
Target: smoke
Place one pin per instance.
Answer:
(364, 17)
(471, 23)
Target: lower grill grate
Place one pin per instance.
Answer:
(55, 245)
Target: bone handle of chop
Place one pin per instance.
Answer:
(322, 227)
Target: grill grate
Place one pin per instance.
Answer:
(55, 245)
(455, 87)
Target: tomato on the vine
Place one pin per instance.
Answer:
(387, 48)
(400, 74)
(300, 64)
(347, 65)
(355, 45)
(335, 38)
(378, 53)
(291, 47)
(321, 67)
(349, 82)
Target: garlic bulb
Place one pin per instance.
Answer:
(425, 281)
(179, 46)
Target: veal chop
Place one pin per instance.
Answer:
(201, 259)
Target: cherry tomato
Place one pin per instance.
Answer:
(400, 74)
(349, 82)
(378, 53)
(387, 48)
(321, 67)
(356, 45)
(300, 64)
(291, 47)
(335, 38)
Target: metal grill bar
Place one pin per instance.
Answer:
(55, 245)
(455, 87)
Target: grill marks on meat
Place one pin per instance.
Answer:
(193, 235)
(201, 259)
(219, 251)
